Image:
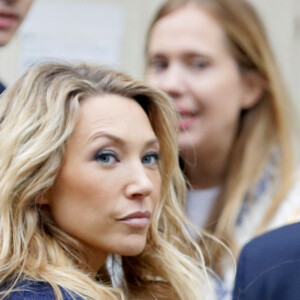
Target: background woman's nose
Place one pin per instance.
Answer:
(172, 82)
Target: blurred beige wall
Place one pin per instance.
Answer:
(282, 22)
(281, 17)
(138, 14)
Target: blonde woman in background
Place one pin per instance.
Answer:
(88, 168)
(212, 57)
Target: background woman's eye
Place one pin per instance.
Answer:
(151, 158)
(106, 157)
(158, 64)
(199, 63)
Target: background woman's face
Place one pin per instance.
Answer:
(12, 14)
(188, 58)
(109, 183)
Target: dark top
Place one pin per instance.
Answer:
(38, 290)
(269, 266)
(2, 87)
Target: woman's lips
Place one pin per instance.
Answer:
(186, 120)
(7, 20)
(137, 219)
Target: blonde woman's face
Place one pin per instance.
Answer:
(12, 13)
(109, 183)
(188, 58)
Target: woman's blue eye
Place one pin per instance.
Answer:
(199, 63)
(151, 158)
(158, 64)
(106, 157)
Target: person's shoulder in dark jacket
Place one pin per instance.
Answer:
(38, 290)
(269, 266)
(2, 87)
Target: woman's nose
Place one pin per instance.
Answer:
(172, 81)
(139, 184)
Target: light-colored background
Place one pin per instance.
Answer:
(126, 22)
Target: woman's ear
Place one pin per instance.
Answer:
(252, 89)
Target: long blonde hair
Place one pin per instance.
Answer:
(37, 116)
(262, 128)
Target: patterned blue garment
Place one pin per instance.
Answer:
(38, 290)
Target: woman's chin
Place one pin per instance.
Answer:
(188, 142)
(132, 249)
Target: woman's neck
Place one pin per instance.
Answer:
(205, 172)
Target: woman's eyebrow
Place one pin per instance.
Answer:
(120, 140)
(114, 138)
(153, 142)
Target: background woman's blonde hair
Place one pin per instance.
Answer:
(262, 128)
(37, 116)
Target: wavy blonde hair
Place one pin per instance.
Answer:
(262, 128)
(37, 116)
